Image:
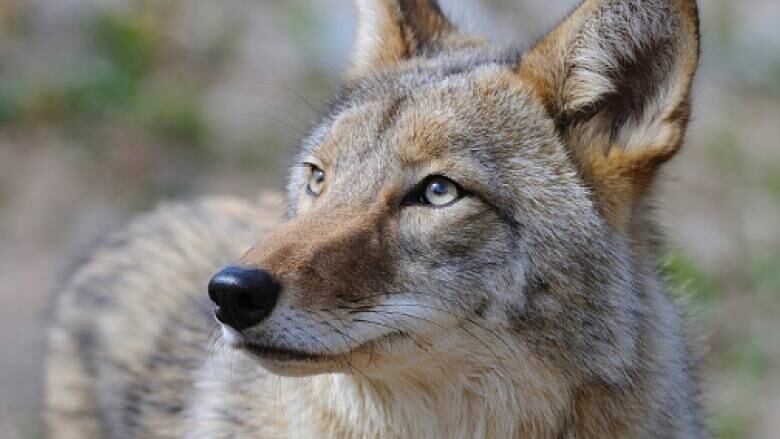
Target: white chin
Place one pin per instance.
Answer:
(231, 336)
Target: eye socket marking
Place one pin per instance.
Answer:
(434, 191)
(316, 182)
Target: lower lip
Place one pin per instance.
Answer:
(277, 354)
(288, 355)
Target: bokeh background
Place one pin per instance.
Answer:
(109, 106)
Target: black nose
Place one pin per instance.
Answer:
(244, 296)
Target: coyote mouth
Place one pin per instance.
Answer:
(279, 354)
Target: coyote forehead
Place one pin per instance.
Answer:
(480, 127)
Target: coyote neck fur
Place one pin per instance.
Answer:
(490, 395)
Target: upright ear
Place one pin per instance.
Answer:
(616, 77)
(390, 31)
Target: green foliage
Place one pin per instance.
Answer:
(730, 426)
(773, 75)
(259, 153)
(174, 113)
(772, 183)
(746, 364)
(726, 150)
(746, 360)
(112, 85)
(100, 91)
(3, 196)
(124, 42)
(764, 275)
(115, 84)
(304, 25)
(687, 279)
(106, 84)
(11, 100)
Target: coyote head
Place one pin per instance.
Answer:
(460, 204)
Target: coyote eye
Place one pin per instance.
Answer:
(316, 181)
(434, 191)
(440, 191)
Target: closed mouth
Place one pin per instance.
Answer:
(280, 354)
(283, 354)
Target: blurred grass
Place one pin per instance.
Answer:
(115, 84)
(742, 357)
(303, 25)
(687, 280)
(746, 365)
(764, 275)
(136, 88)
(124, 41)
(772, 183)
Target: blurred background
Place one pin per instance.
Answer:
(109, 106)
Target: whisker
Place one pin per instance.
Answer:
(413, 334)
(452, 313)
(347, 360)
(393, 328)
(469, 333)
(460, 327)
(344, 331)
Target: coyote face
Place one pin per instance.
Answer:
(460, 204)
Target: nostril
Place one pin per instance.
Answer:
(256, 299)
(245, 301)
(244, 296)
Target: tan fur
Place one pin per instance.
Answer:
(568, 76)
(390, 32)
(528, 306)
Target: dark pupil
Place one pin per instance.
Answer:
(319, 176)
(439, 189)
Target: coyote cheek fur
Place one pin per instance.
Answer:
(469, 252)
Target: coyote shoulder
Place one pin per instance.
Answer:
(469, 251)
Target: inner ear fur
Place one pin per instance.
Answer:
(391, 31)
(616, 78)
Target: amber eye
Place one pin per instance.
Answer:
(316, 181)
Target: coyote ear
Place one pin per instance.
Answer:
(616, 77)
(390, 31)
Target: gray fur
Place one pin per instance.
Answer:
(547, 255)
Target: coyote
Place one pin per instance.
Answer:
(469, 252)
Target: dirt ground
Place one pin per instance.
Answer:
(109, 106)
